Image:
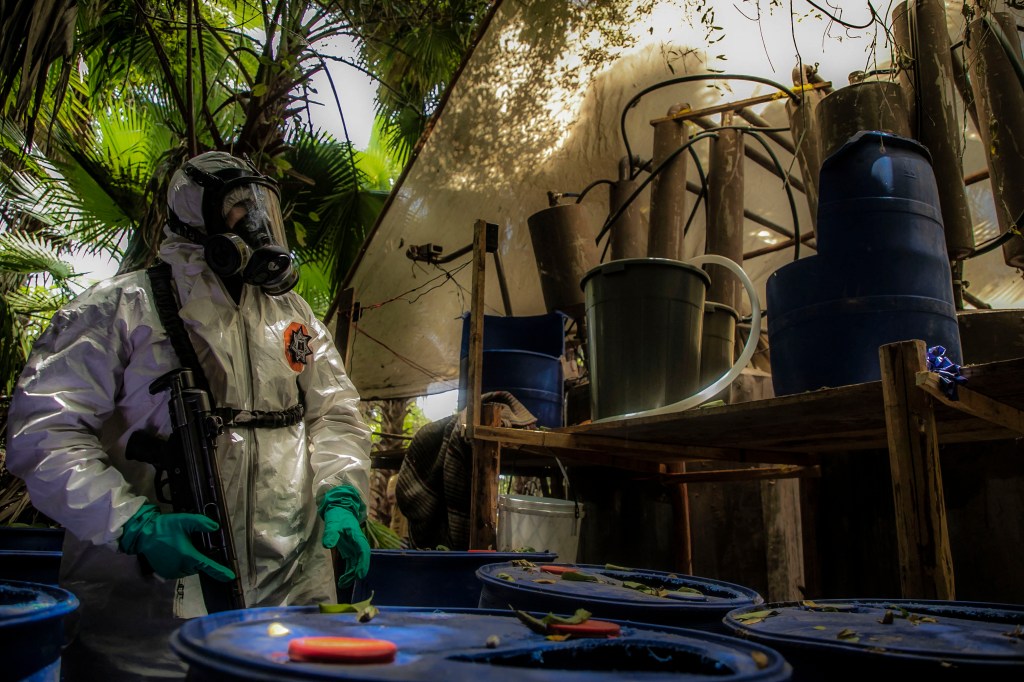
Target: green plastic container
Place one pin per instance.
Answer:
(644, 322)
(717, 345)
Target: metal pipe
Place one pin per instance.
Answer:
(920, 31)
(668, 189)
(725, 211)
(1000, 101)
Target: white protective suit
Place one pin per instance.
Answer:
(86, 389)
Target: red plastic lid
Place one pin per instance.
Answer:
(341, 650)
(559, 570)
(590, 628)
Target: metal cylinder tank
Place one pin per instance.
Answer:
(920, 30)
(1000, 101)
(668, 190)
(869, 105)
(563, 246)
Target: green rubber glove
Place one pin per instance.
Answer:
(163, 539)
(342, 509)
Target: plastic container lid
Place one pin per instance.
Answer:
(341, 650)
(462, 645)
(954, 632)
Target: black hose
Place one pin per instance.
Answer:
(701, 195)
(1012, 54)
(654, 173)
(591, 186)
(689, 79)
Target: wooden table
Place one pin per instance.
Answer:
(905, 412)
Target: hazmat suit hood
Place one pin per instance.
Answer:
(225, 204)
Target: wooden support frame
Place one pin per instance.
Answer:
(925, 557)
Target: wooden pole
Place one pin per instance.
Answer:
(926, 562)
(344, 330)
(483, 492)
(683, 555)
(476, 327)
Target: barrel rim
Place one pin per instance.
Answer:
(868, 648)
(623, 263)
(65, 603)
(740, 592)
(882, 136)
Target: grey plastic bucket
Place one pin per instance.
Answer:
(644, 322)
(717, 345)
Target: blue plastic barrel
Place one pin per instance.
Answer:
(521, 355)
(677, 600)
(461, 645)
(881, 275)
(877, 193)
(877, 639)
(30, 554)
(32, 630)
(411, 577)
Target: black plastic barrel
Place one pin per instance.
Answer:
(411, 577)
(461, 645)
(881, 275)
(644, 321)
(674, 600)
(32, 629)
(876, 639)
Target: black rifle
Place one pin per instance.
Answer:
(187, 466)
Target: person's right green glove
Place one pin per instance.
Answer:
(163, 539)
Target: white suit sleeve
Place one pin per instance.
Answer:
(65, 394)
(339, 440)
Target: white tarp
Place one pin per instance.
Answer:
(537, 108)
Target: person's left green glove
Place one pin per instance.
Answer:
(342, 509)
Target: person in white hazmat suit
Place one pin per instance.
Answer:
(294, 484)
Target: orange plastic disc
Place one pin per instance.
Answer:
(341, 650)
(558, 570)
(481, 551)
(590, 628)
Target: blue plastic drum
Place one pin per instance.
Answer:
(32, 630)
(629, 594)
(411, 577)
(876, 639)
(467, 645)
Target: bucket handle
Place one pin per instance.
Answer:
(741, 362)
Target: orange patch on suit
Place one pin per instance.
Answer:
(296, 346)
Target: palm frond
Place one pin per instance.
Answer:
(24, 253)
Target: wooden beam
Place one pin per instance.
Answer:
(476, 328)
(752, 474)
(483, 493)
(683, 555)
(345, 325)
(627, 449)
(973, 403)
(926, 562)
(687, 114)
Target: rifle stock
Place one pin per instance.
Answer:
(186, 465)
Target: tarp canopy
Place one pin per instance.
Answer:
(537, 107)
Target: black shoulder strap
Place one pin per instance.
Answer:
(167, 307)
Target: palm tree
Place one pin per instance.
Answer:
(102, 100)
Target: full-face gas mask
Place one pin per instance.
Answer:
(242, 229)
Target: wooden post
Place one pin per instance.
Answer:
(344, 330)
(926, 562)
(783, 539)
(683, 556)
(483, 490)
(476, 327)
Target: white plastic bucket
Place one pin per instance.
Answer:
(543, 523)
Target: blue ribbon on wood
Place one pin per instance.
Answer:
(948, 371)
